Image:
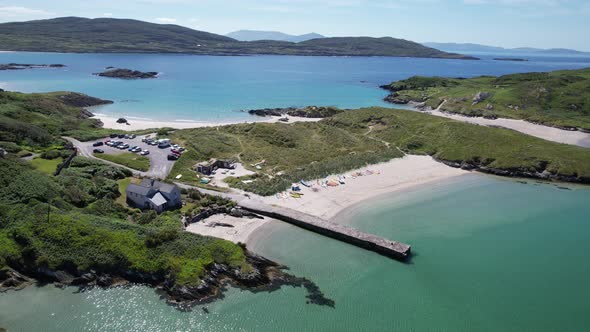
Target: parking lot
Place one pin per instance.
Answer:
(160, 166)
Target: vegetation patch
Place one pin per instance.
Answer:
(559, 98)
(47, 166)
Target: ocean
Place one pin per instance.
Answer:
(218, 88)
(490, 254)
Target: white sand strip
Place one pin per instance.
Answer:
(390, 177)
(547, 133)
(140, 124)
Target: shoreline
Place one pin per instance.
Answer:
(392, 177)
(548, 133)
(110, 122)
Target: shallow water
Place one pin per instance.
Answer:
(216, 88)
(489, 255)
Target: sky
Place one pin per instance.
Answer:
(506, 23)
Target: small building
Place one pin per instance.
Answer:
(153, 194)
(212, 165)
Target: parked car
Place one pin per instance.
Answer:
(172, 156)
(121, 136)
(98, 151)
(132, 136)
(136, 149)
(145, 152)
(175, 151)
(98, 144)
(132, 148)
(113, 135)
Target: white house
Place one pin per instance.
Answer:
(153, 194)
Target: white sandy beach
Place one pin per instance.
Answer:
(140, 124)
(241, 232)
(391, 177)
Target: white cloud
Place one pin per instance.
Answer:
(18, 11)
(107, 14)
(167, 20)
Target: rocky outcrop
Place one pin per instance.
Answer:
(122, 120)
(12, 280)
(234, 212)
(479, 97)
(540, 172)
(265, 275)
(316, 112)
(20, 66)
(75, 99)
(127, 74)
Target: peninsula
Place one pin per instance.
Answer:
(558, 99)
(108, 35)
(107, 242)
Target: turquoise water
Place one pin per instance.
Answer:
(490, 255)
(213, 88)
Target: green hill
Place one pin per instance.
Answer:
(74, 34)
(559, 98)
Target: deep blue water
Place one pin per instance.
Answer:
(216, 88)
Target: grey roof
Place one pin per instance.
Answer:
(158, 199)
(138, 189)
(164, 187)
(147, 182)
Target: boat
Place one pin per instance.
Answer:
(332, 183)
(205, 180)
(341, 179)
(305, 183)
(295, 187)
(295, 195)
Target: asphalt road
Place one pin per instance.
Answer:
(160, 166)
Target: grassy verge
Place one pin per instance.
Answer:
(131, 160)
(123, 184)
(47, 166)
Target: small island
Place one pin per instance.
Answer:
(511, 59)
(21, 66)
(127, 74)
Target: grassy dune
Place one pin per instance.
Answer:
(309, 150)
(559, 98)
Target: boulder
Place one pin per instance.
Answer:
(480, 96)
(121, 120)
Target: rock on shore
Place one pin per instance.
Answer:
(303, 112)
(265, 275)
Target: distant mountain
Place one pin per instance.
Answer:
(251, 35)
(467, 47)
(74, 34)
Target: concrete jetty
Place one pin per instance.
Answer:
(393, 249)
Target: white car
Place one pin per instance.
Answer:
(145, 152)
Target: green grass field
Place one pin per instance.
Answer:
(47, 166)
(349, 140)
(131, 160)
(559, 98)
